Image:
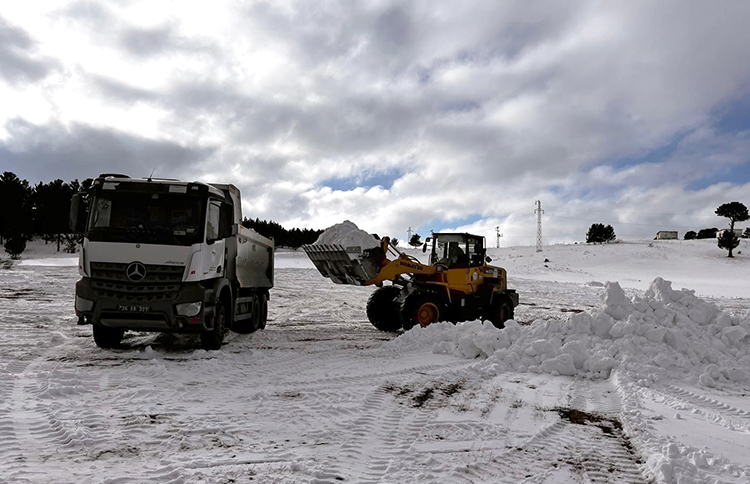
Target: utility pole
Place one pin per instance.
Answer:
(409, 231)
(497, 231)
(538, 213)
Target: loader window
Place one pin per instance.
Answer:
(476, 251)
(451, 250)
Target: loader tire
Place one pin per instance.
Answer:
(105, 337)
(382, 309)
(501, 311)
(421, 308)
(212, 340)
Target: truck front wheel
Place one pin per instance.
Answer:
(105, 337)
(212, 340)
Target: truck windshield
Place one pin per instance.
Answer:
(149, 218)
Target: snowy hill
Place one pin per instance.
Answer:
(693, 264)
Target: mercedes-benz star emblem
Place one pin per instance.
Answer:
(136, 272)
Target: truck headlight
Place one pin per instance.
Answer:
(188, 309)
(83, 304)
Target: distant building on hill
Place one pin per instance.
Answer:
(666, 234)
(737, 232)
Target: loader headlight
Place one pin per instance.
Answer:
(188, 309)
(83, 304)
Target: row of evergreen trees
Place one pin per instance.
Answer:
(282, 237)
(710, 234)
(27, 210)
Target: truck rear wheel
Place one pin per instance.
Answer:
(382, 309)
(105, 337)
(263, 313)
(212, 340)
(501, 311)
(421, 309)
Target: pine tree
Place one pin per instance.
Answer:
(735, 212)
(729, 241)
(599, 234)
(15, 246)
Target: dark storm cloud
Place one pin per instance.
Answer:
(116, 90)
(18, 61)
(146, 42)
(343, 124)
(162, 40)
(38, 153)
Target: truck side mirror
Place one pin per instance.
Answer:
(424, 247)
(77, 214)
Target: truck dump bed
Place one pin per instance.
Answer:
(254, 259)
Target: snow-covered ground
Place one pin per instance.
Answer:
(632, 382)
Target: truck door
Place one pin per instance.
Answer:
(213, 238)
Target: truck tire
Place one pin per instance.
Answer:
(382, 309)
(263, 313)
(421, 308)
(501, 311)
(212, 340)
(105, 337)
(251, 324)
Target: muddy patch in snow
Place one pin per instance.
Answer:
(418, 395)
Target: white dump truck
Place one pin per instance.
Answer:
(171, 256)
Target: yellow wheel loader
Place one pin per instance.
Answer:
(456, 285)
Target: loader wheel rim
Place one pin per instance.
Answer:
(427, 314)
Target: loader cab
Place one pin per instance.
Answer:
(457, 250)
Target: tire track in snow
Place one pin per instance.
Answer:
(589, 445)
(381, 438)
(714, 410)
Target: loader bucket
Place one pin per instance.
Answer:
(348, 265)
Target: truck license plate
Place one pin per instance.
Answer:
(134, 309)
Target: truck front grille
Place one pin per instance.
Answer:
(135, 292)
(155, 274)
(161, 283)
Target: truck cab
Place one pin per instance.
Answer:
(168, 255)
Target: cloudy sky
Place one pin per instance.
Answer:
(423, 114)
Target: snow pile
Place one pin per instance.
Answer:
(347, 234)
(664, 333)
